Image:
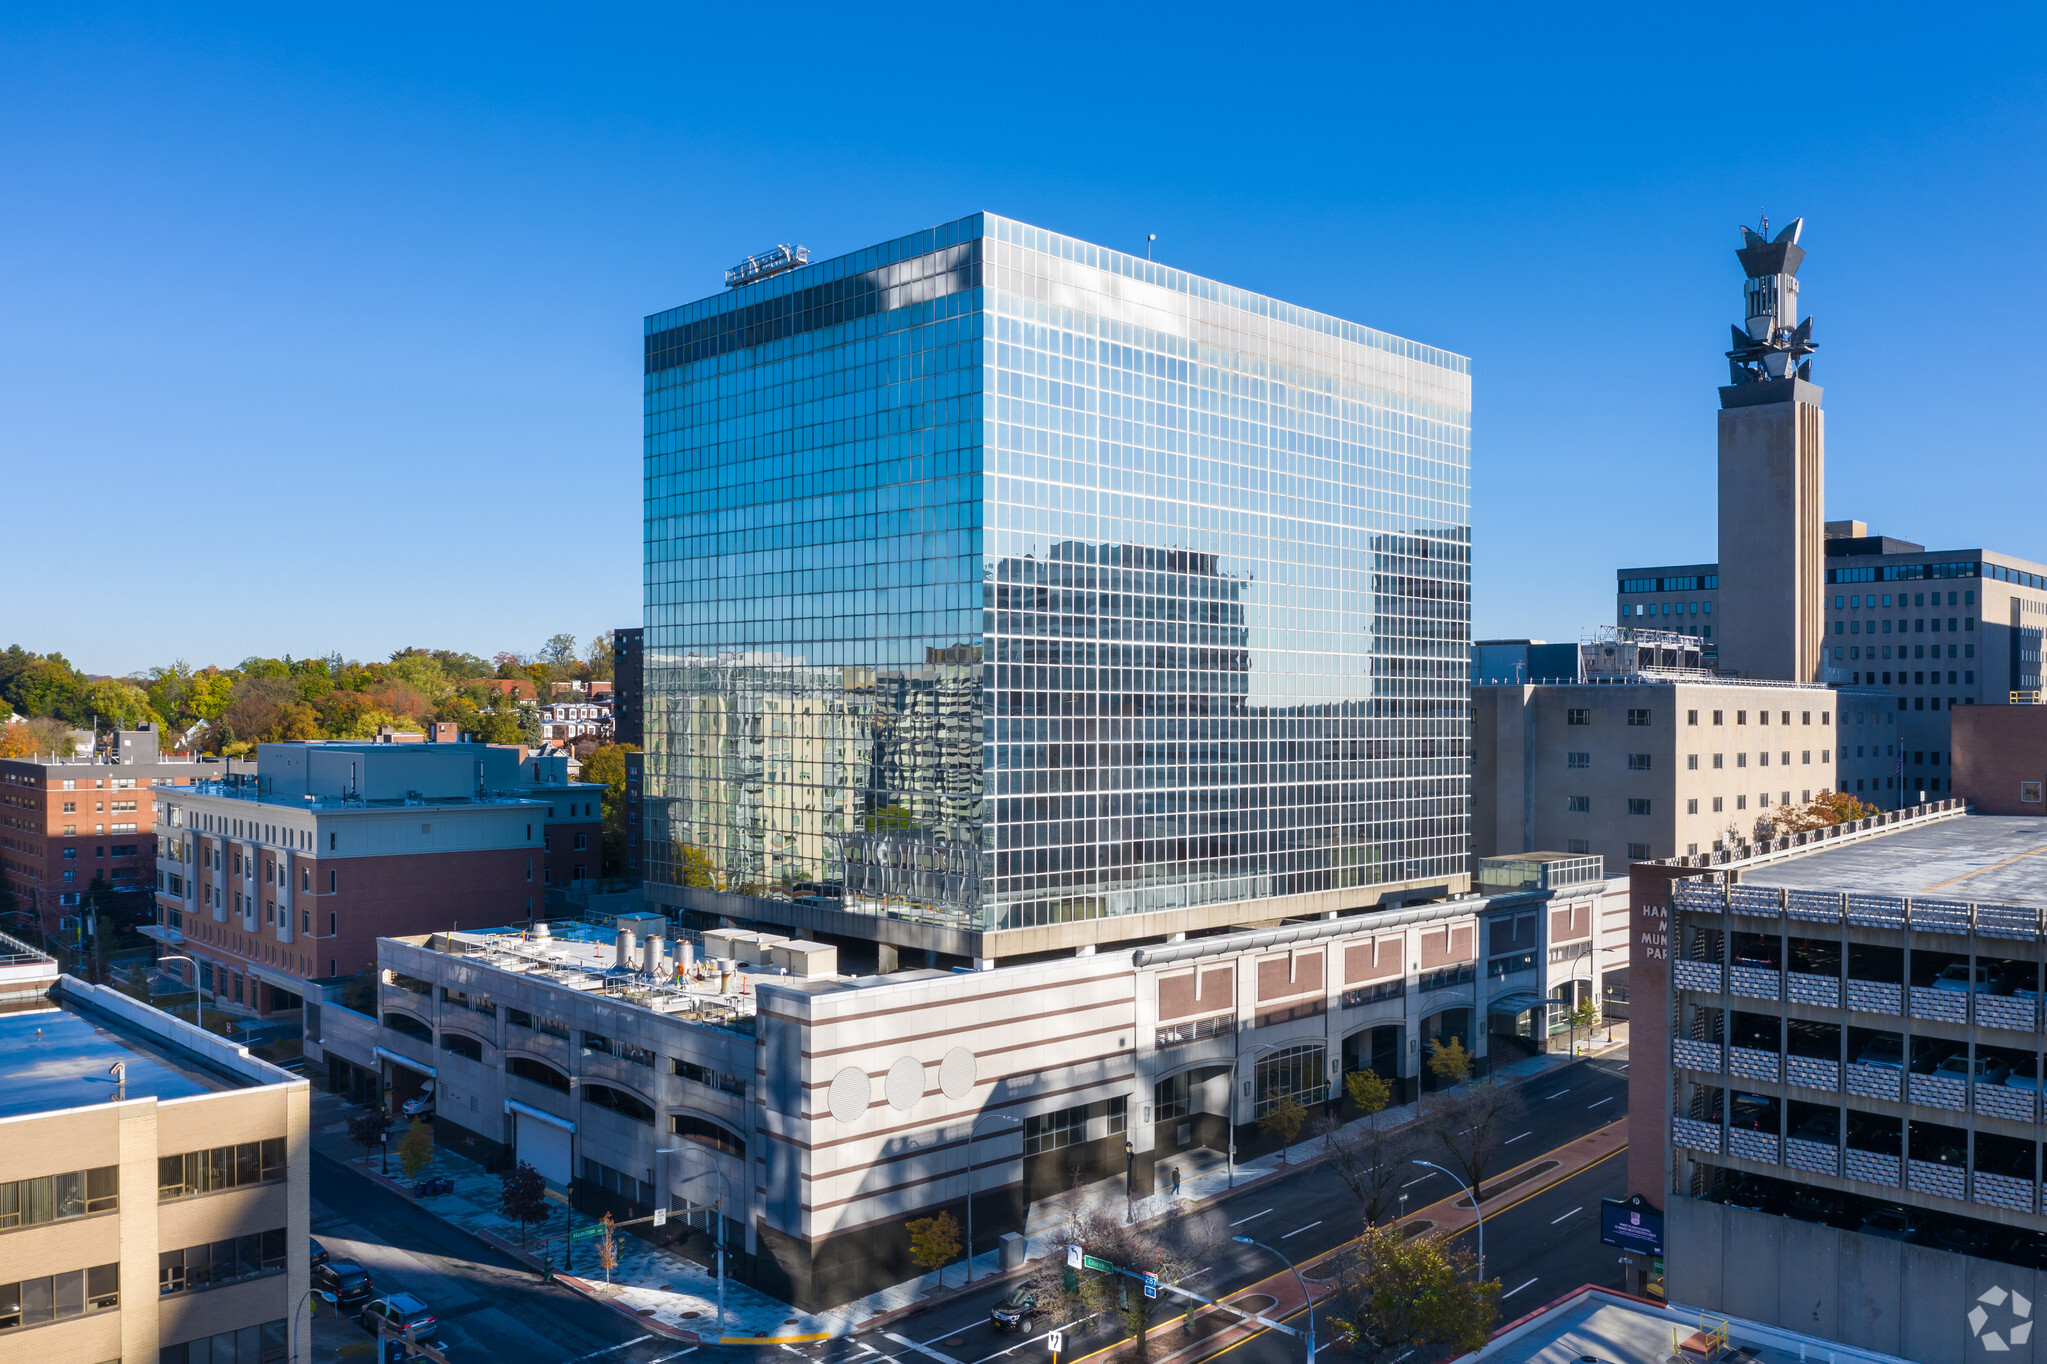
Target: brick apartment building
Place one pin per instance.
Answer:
(293, 873)
(64, 821)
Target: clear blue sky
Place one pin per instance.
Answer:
(323, 331)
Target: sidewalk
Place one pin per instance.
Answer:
(676, 1297)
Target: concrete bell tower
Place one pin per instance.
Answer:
(1772, 476)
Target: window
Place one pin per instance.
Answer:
(596, 1042)
(1051, 1131)
(1169, 1098)
(53, 1198)
(1718, 717)
(618, 1101)
(1579, 760)
(704, 1132)
(582, 842)
(1691, 717)
(1299, 1073)
(1691, 762)
(1638, 762)
(1119, 1115)
(1692, 806)
(1638, 718)
(37, 1302)
(1741, 760)
(554, 1028)
(1578, 805)
(518, 1018)
(1741, 717)
(1638, 852)
(218, 1168)
(539, 1072)
(1741, 802)
(1637, 807)
(462, 1046)
(2029, 791)
(1576, 716)
(1718, 804)
(1578, 845)
(197, 1268)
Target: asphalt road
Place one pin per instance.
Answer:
(493, 1311)
(1539, 1248)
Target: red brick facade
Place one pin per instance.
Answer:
(2000, 758)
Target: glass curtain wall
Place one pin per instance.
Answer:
(997, 579)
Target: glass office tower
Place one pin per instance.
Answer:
(998, 581)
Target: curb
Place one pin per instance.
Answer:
(589, 1291)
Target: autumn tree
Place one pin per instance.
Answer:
(607, 1247)
(1449, 1060)
(1394, 1293)
(607, 765)
(1172, 1252)
(522, 1197)
(1369, 1093)
(367, 1129)
(934, 1241)
(416, 1151)
(1282, 1120)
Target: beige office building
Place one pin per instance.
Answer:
(152, 1183)
(1663, 766)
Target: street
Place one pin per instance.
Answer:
(490, 1309)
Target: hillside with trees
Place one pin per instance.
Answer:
(228, 710)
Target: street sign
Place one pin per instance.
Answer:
(585, 1233)
(1151, 1285)
(1073, 1257)
(660, 1217)
(1090, 1262)
(1631, 1224)
(1054, 1340)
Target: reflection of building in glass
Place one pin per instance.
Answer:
(999, 584)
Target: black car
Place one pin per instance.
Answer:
(350, 1284)
(319, 1251)
(1015, 1312)
(1893, 1223)
(1823, 1206)
(400, 1313)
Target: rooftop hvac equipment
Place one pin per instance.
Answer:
(772, 261)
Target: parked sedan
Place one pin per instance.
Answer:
(1887, 1050)
(400, 1313)
(1960, 978)
(349, 1283)
(1988, 1070)
(1893, 1223)
(319, 1251)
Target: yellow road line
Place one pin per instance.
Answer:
(1307, 1264)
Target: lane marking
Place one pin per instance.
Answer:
(1512, 1291)
(1558, 1095)
(1252, 1218)
(1412, 1182)
(909, 1344)
(677, 1355)
(1511, 1140)
(1298, 1230)
(1032, 1340)
(955, 1331)
(611, 1349)
(1607, 1100)
(1572, 1213)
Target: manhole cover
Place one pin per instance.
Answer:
(690, 1316)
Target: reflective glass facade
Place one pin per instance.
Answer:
(998, 580)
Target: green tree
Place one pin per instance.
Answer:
(522, 1197)
(1585, 1016)
(1369, 1093)
(1394, 1293)
(1283, 1119)
(598, 657)
(1449, 1060)
(607, 765)
(416, 1151)
(934, 1241)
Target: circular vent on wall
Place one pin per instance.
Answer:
(849, 1094)
(905, 1083)
(956, 1073)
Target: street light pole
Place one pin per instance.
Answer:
(1306, 1296)
(973, 1132)
(309, 1293)
(198, 995)
(1474, 1207)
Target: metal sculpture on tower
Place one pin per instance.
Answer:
(1772, 343)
